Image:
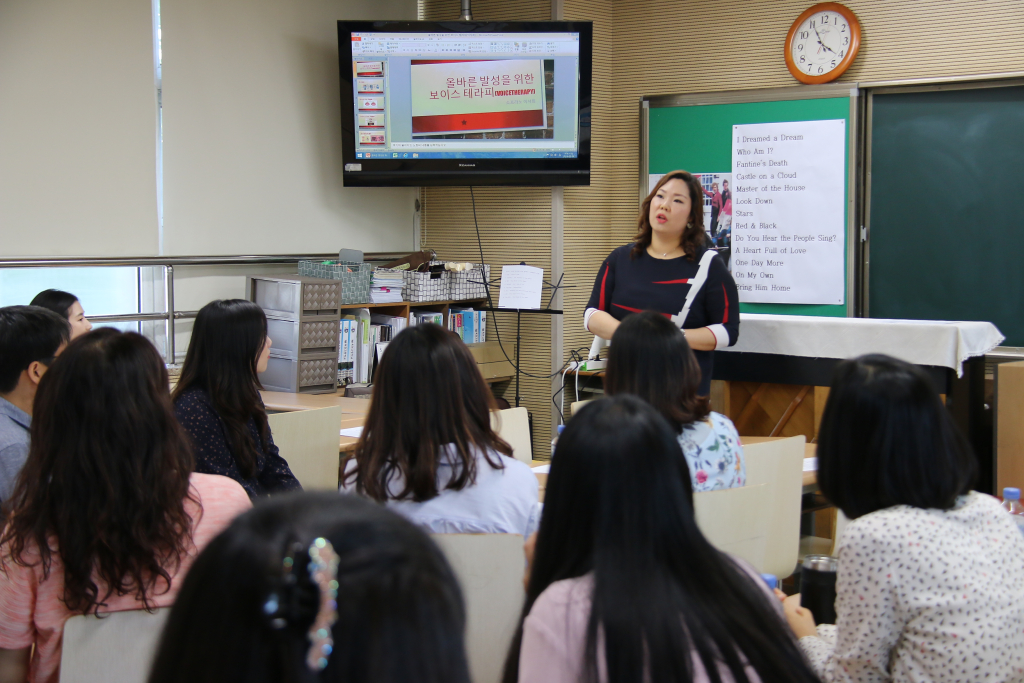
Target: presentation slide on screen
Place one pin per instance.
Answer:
(473, 96)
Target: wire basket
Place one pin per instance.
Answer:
(354, 277)
(469, 284)
(427, 286)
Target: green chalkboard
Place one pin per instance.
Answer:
(946, 233)
(699, 138)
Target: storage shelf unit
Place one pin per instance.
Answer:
(302, 320)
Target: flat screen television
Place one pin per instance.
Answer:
(465, 102)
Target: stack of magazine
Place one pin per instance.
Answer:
(386, 287)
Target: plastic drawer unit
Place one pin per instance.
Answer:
(302, 320)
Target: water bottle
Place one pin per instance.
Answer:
(1011, 503)
(554, 441)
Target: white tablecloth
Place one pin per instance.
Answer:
(922, 342)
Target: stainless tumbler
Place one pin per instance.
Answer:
(818, 587)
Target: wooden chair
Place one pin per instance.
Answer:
(779, 464)
(513, 425)
(734, 521)
(308, 440)
(116, 648)
(489, 568)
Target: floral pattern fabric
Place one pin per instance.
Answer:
(713, 451)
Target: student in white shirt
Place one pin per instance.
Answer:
(930, 584)
(428, 450)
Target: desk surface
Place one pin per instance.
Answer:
(284, 402)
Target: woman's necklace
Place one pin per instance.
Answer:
(671, 251)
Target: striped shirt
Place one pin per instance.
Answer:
(31, 609)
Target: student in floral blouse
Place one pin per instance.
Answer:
(649, 358)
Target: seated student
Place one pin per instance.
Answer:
(248, 608)
(105, 516)
(428, 449)
(67, 306)
(217, 398)
(623, 586)
(30, 339)
(649, 358)
(931, 574)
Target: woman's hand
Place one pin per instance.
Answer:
(528, 549)
(800, 618)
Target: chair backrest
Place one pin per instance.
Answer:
(117, 648)
(309, 440)
(513, 425)
(734, 521)
(489, 568)
(779, 463)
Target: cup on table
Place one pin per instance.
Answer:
(818, 587)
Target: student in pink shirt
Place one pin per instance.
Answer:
(106, 515)
(623, 586)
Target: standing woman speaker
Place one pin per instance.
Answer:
(669, 268)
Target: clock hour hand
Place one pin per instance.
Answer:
(821, 42)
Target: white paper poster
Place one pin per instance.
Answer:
(521, 287)
(788, 206)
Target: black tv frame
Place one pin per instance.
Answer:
(437, 172)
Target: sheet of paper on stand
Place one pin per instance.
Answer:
(352, 432)
(521, 287)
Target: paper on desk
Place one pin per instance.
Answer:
(520, 287)
(354, 432)
(810, 464)
(542, 469)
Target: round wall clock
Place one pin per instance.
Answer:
(822, 43)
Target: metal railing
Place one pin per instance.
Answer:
(168, 263)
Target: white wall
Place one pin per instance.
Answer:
(78, 128)
(252, 131)
(252, 134)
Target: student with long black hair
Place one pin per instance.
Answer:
(250, 610)
(649, 358)
(217, 398)
(107, 514)
(623, 586)
(67, 306)
(930, 584)
(428, 449)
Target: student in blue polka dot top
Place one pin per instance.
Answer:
(931, 574)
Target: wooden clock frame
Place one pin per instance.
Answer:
(851, 54)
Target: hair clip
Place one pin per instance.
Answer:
(323, 571)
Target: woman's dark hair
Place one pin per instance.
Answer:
(886, 439)
(619, 506)
(400, 612)
(107, 474)
(227, 338)
(693, 238)
(58, 301)
(428, 395)
(650, 358)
